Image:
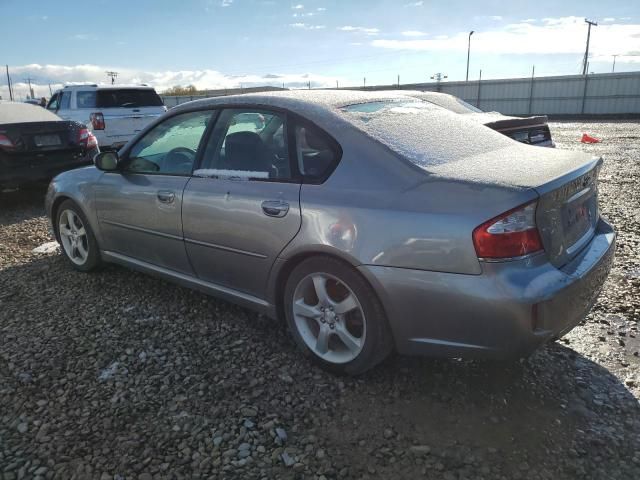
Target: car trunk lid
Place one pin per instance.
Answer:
(530, 130)
(42, 137)
(567, 215)
(566, 182)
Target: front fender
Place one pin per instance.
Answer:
(79, 186)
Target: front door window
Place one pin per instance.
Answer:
(170, 147)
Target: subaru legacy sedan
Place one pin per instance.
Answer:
(370, 222)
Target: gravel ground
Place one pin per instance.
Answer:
(117, 375)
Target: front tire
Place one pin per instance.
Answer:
(76, 238)
(335, 316)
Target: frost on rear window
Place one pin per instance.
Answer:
(422, 132)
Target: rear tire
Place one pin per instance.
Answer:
(76, 238)
(335, 317)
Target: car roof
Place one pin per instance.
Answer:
(306, 102)
(93, 86)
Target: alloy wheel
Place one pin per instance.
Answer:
(329, 318)
(73, 237)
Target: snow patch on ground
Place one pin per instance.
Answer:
(49, 247)
(109, 372)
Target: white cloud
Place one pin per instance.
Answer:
(226, 3)
(564, 35)
(413, 33)
(297, 7)
(495, 17)
(60, 75)
(305, 26)
(414, 4)
(365, 30)
(321, 9)
(609, 19)
(528, 20)
(303, 14)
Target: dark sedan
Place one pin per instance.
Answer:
(36, 145)
(532, 130)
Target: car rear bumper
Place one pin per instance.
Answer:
(507, 311)
(40, 167)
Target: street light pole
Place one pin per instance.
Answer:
(468, 54)
(613, 69)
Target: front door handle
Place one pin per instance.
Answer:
(166, 196)
(275, 208)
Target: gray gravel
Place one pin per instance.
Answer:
(117, 375)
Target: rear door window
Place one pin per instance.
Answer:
(316, 152)
(127, 98)
(65, 101)
(86, 99)
(248, 144)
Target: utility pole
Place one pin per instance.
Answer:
(586, 52)
(113, 76)
(309, 84)
(438, 76)
(398, 80)
(364, 82)
(28, 80)
(9, 84)
(468, 55)
(336, 84)
(613, 69)
(50, 91)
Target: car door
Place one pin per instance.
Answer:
(139, 207)
(242, 206)
(64, 105)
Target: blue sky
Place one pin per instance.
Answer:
(223, 43)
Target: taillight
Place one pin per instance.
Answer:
(6, 143)
(512, 234)
(87, 139)
(97, 121)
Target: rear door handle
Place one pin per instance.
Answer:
(275, 208)
(166, 196)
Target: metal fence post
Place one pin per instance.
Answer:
(584, 92)
(479, 84)
(533, 72)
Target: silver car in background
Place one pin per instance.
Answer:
(371, 222)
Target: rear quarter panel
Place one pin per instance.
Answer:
(378, 209)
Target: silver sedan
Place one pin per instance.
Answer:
(370, 222)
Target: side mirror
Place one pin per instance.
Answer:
(106, 161)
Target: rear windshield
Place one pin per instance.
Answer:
(424, 133)
(114, 98)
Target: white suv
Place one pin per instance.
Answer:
(113, 113)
